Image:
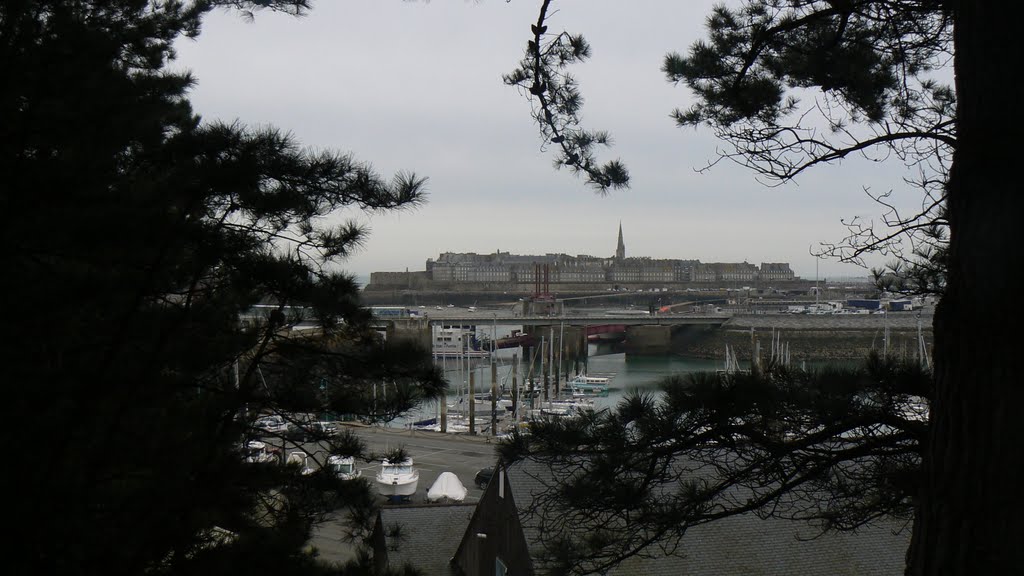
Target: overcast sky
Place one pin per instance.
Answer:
(417, 86)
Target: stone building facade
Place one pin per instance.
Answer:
(503, 268)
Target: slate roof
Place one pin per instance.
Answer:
(428, 535)
(738, 545)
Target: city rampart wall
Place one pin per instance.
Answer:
(801, 343)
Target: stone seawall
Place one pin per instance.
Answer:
(836, 339)
(833, 345)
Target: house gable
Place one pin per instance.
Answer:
(494, 533)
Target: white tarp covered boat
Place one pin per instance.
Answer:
(447, 487)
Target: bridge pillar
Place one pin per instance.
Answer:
(568, 347)
(648, 339)
(568, 344)
(574, 346)
(411, 329)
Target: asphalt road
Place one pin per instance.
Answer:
(431, 452)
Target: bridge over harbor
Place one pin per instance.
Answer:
(480, 318)
(644, 332)
(651, 333)
(599, 318)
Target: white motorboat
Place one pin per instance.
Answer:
(256, 452)
(344, 467)
(573, 404)
(301, 460)
(562, 408)
(583, 385)
(397, 479)
(584, 379)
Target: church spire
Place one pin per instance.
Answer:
(620, 250)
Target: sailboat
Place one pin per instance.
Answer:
(732, 363)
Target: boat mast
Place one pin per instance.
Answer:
(816, 289)
(561, 346)
(922, 347)
(516, 401)
(543, 371)
(885, 334)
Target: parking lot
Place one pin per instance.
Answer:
(432, 453)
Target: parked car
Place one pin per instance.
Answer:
(483, 477)
(272, 424)
(294, 432)
(325, 428)
(304, 432)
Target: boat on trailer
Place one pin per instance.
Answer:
(344, 467)
(300, 460)
(397, 479)
(447, 488)
(257, 452)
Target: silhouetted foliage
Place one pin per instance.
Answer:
(557, 102)
(139, 240)
(873, 65)
(836, 447)
(791, 85)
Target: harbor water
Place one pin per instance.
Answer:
(626, 373)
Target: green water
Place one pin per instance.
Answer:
(627, 373)
(646, 371)
(641, 372)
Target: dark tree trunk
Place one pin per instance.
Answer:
(971, 508)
